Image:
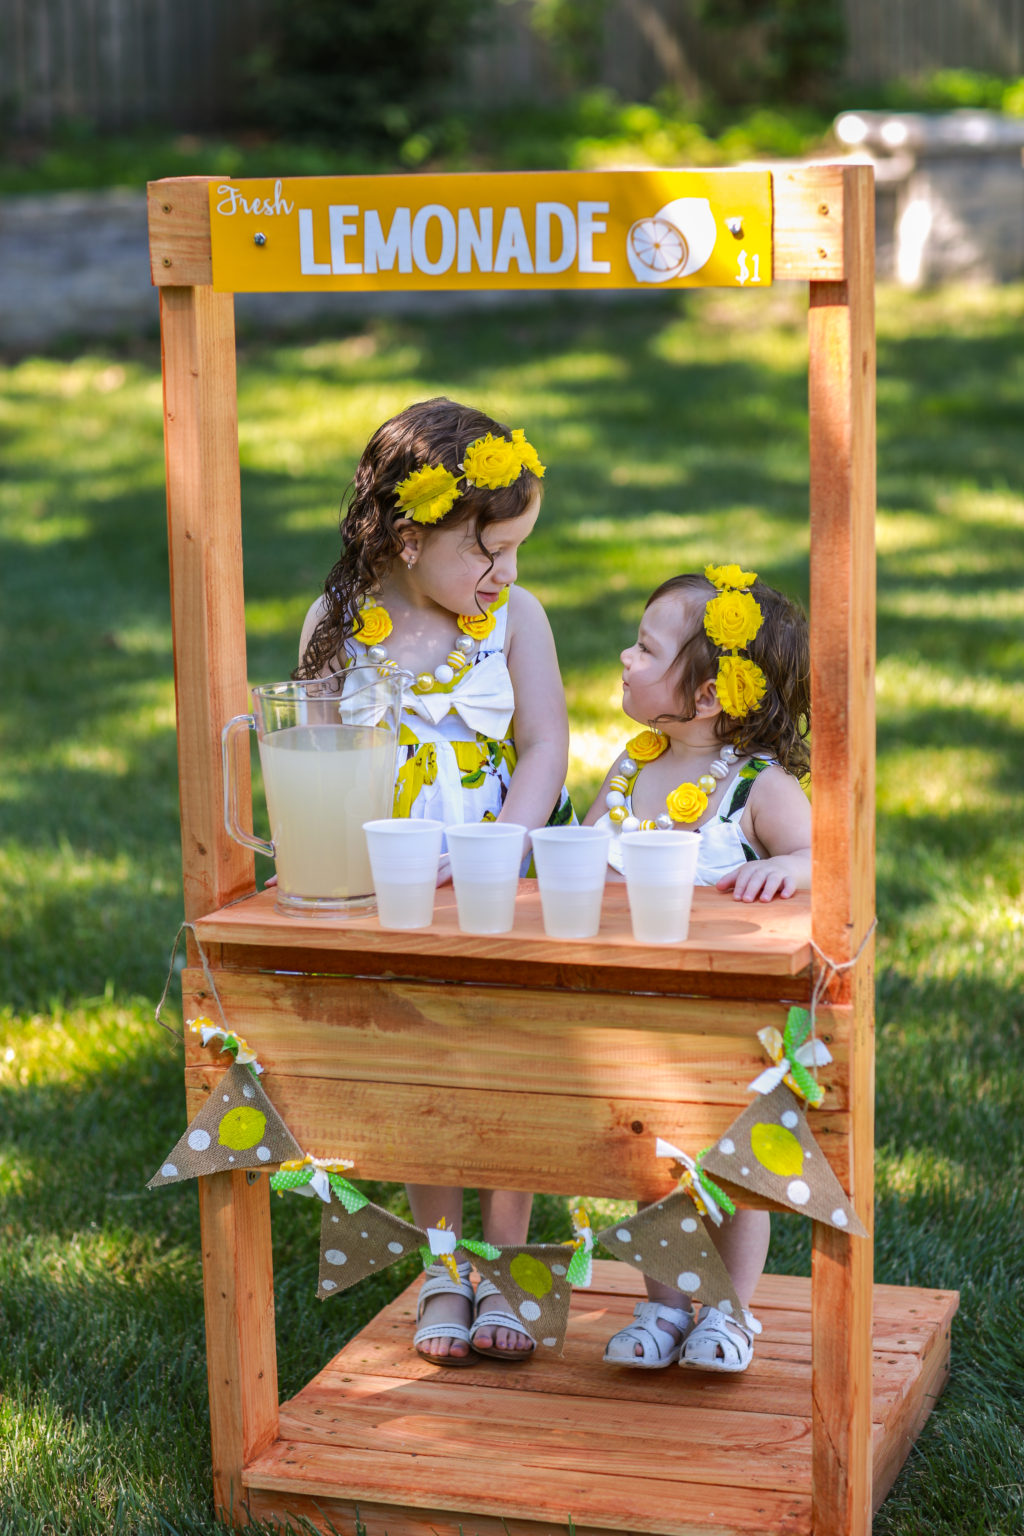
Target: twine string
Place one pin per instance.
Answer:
(190, 928)
(827, 973)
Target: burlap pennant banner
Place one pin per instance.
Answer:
(237, 1127)
(354, 1244)
(771, 1151)
(534, 1280)
(670, 1242)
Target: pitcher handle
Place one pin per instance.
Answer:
(247, 839)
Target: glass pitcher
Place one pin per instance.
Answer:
(327, 749)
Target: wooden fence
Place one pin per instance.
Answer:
(122, 63)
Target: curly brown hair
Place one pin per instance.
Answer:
(431, 432)
(780, 725)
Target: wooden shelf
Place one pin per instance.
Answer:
(494, 1448)
(735, 948)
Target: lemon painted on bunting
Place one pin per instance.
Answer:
(777, 1149)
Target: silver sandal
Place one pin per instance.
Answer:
(438, 1282)
(658, 1347)
(494, 1319)
(720, 1342)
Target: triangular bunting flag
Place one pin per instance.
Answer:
(354, 1244)
(770, 1150)
(237, 1127)
(534, 1280)
(670, 1242)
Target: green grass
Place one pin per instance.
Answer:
(675, 432)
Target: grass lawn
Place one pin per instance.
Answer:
(675, 432)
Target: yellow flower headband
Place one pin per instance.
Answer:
(731, 620)
(489, 463)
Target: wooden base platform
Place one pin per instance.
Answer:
(410, 1449)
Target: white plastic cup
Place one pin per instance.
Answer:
(571, 866)
(486, 856)
(404, 856)
(660, 868)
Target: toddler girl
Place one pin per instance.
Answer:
(442, 500)
(719, 676)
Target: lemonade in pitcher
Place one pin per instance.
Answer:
(327, 749)
(322, 782)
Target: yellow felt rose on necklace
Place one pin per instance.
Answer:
(732, 619)
(479, 625)
(492, 462)
(428, 494)
(374, 624)
(687, 802)
(648, 745)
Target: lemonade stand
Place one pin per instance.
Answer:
(357, 1028)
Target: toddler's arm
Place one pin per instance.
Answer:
(541, 726)
(777, 819)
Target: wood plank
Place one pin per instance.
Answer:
(809, 219)
(754, 1450)
(545, 1142)
(726, 938)
(207, 605)
(786, 1339)
(525, 1491)
(241, 1348)
(592, 1045)
(915, 1408)
(378, 1519)
(179, 231)
(842, 464)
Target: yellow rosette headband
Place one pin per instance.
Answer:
(489, 463)
(732, 618)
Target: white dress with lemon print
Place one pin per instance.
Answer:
(456, 754)
(722, 844)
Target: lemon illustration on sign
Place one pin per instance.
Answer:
(673, 242)
(777, 1149)
(530, 1274)
(241, 1128)
(656, 250)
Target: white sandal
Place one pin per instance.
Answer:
(438, 1282)
(720, 1342)
(494, 1319)
(658, 1347)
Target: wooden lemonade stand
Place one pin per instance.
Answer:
(525, 1062)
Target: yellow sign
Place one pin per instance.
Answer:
(547, 229)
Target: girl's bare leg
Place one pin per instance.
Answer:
(506, 1220)
(429, 1203)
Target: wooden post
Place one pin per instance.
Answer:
(241, 1346)
(842, 466)
(204, 533)
(204, 525)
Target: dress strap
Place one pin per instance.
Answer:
(737, 791)
(495, 641)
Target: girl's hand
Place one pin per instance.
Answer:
(269, 881)
(765, 878)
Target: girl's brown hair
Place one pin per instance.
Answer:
(431, 432)
(780, 725)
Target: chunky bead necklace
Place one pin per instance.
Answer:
(375, 625)
(687, 802)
